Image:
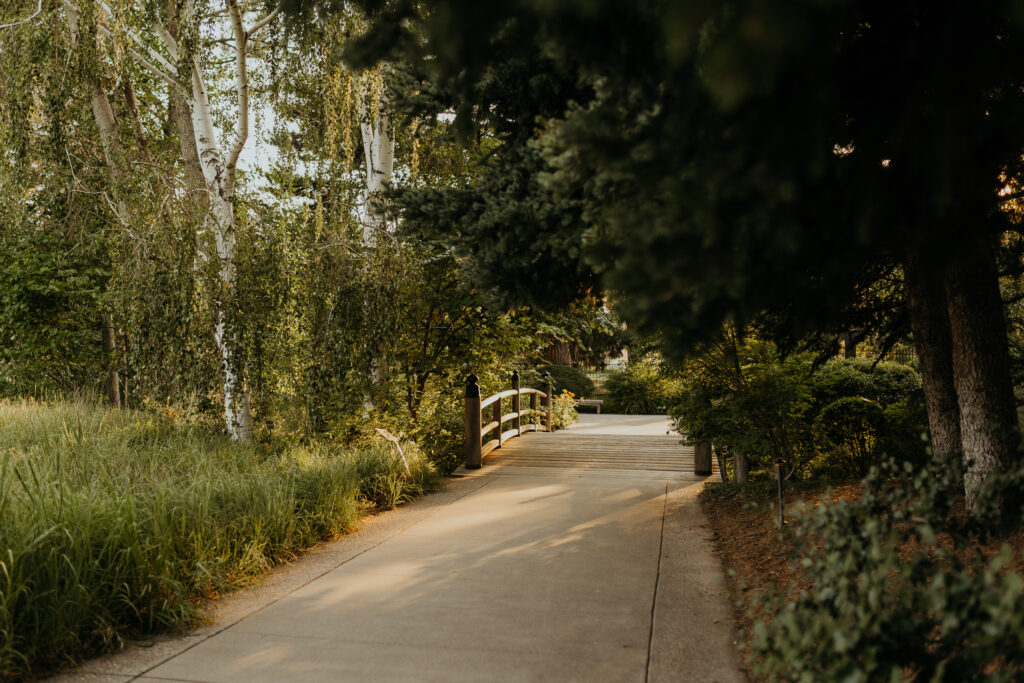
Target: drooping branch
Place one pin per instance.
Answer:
(39, 9)
(168, 74)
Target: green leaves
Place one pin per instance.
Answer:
(892, 600)
(836, 421)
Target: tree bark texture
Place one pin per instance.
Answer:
(928, 311)
(988, 413)
(740, 466)
(722, 469)
(113, 381)
(559, 353)
(182, 119)
(379, 148)
(106, 124)
(219, 175)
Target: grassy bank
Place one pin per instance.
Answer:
(116, 524)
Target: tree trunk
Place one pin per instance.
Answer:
(988, 413)
(113, 382)
(740, 465)
(219, 178)
(182, 119)
(928, 310)
(722, 470)
(850, 340)
(379, 148)
(106, 124)
(560, 353)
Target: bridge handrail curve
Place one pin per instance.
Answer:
(473, 450)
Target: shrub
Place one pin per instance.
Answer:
(833, 421)
(439, 427)
(748, 399)
(847, 431)
(844, 392)
(644, 387)
(890, 597)
(563, 410)
(885, 383)
(565, 378)
(905, 435)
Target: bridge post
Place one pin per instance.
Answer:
(517, 423)
(497, 418)
(471, 447)
(702, 459)
(548, 405)
(533, 412)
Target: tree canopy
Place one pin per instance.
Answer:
(757, 161)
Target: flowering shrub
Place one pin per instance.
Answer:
(563, 410)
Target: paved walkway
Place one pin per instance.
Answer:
(505, 576)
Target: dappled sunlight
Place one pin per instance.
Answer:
(543, 552)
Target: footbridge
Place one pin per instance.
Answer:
(617, 446)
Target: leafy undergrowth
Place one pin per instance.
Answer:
(889, 580)
(114, 525)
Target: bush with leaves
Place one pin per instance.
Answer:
(848, 430)
(645, 387)
(884, 383)
(744, 397)
(864, 412)
(834, 421)
(565, 378)
(894, 594)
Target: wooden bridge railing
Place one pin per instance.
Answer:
(475, 431)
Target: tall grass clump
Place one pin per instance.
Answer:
(115, 524)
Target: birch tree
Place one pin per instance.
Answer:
(378, 147)
(180, 66)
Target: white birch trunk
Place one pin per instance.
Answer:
(379, 148)
(220, 175)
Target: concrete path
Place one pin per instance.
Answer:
(500, 578)
(621, 425)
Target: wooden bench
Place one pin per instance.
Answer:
(596, 402)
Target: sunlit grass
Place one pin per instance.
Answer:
(118, 523)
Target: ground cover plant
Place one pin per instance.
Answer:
(888, 579)
(115, 524)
